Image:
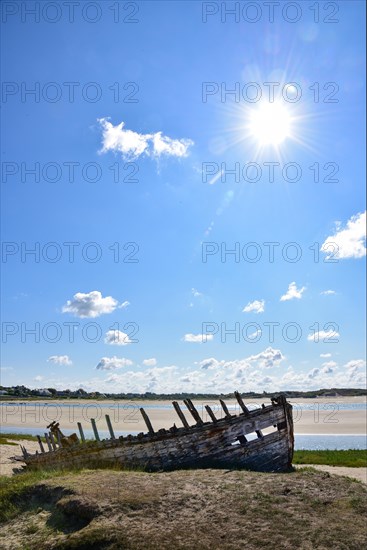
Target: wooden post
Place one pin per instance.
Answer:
(109, 425)
(59, 438)
(210, 413)
(48, 442)
(241, 403)
(40, 444)
(24, 452)
(196, 416)
(180, 414)
(225, 409)
(53, 442)
(147, 421)
(80, 427)
(94, 426)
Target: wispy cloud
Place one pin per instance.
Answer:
(150, 362)
(60, 360)
(292, 292)
(347, 242)
(113, 363)
(257, 306)
(132, 145)
(327, 292)
(197, 338)
(324, 336)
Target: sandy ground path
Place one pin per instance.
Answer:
(7, 451)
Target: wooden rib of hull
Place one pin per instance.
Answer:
(217, 444)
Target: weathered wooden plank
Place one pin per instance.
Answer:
(225, 408)
(241, 403)
(80, 428)
(24, 452)
(95, 431)
(180, 414)
(196, 416)
(59, 438)
(48, 442)
(40, 444)
(53, 442)
(109, 425)
(210, 413)
(147, 421)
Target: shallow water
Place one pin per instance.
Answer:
(309, 441)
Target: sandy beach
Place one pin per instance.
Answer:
(336, 416)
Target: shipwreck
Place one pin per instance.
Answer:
(233, 441)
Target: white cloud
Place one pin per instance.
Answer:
(132, 145)
(324, 336)
(313, 373)
(197, 338)
(328, 292)
(258, 306)
(210, 363)
(150, 362)
(347, 242)
(60, 360)
(293, 292)
(195, 293)
(117, 338)
(112, 363)
(124, 304)
(216, 376)
(355, 363)
(268, 358)
(38, 378)
(325, 355)
(329, 364)
(90, 305)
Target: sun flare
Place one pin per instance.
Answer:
(270, 124)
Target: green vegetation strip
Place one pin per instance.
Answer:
(8, 438)
(352, 458)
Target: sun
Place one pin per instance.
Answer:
(269, 124)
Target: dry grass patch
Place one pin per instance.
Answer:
(196, 509)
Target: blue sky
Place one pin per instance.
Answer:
(174, 130)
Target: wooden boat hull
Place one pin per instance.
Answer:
(217, 444)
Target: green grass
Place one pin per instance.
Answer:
(352, 458)
(12, 489)
(4, 438)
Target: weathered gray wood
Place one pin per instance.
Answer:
(147, 421)
(196, 416)
(180, 414)
(210, 413)
(59, 438)
(213, 444)
(241, 403)
(109, 425)
(95, 431)
(52, 439)
(80, 428)
(225, 408)
(40, 444)
(48, 442)
(24, 452)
